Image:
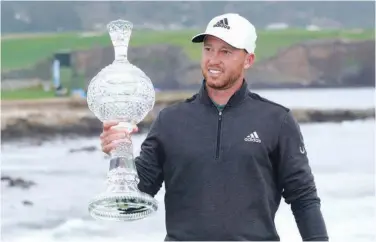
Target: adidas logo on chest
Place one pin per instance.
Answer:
(253, 137)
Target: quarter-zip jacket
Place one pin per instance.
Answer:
(225, 172)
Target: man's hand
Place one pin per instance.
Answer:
(112, 135)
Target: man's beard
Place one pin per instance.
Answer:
(222, 85)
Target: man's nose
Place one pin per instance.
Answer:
(214, 59)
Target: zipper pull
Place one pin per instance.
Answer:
(220, 115)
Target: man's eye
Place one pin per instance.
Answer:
(226, 52)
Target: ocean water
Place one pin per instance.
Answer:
(328, 98)
(341, 156)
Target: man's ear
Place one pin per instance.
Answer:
(249, 60)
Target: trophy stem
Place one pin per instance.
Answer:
(122, 175)
(125, 148)
(121, 54)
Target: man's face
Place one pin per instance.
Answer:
(221, 64)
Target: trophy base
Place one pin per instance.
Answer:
(122, 206)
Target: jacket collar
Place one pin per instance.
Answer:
(237, 98)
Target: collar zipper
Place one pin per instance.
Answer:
(218, 135)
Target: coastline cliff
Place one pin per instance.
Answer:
(70, 117)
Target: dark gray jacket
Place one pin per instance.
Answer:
(225, 172)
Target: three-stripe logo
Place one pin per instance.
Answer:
(223, 23)
(253, 137)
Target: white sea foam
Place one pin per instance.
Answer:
(330, 98)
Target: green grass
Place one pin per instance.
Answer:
(26, 51)
(37, 92)
(27, 93)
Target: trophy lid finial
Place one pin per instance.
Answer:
(120, 31)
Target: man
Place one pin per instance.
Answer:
(226, 155)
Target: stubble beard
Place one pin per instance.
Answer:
(222, 85)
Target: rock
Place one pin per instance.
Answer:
(27, 203)
(151, 59)
(335, 115)
(17, 182)
(49, 121)
(84, 149)
(318, 63)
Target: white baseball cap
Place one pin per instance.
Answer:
(232, 28)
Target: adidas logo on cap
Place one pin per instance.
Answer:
(223, 23)
(241, 34)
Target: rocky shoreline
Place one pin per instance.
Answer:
(37, 120)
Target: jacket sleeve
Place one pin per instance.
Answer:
(149, 163)
(297, 183)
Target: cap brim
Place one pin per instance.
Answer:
(199, 38)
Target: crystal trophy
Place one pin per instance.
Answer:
(121, 92)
